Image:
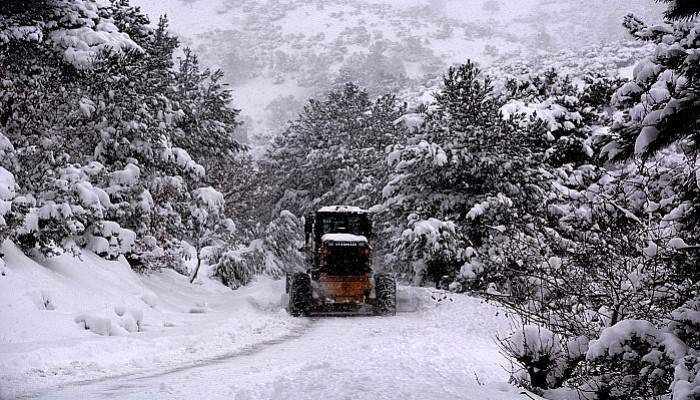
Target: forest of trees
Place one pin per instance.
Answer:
(573, 204)
(115, 139)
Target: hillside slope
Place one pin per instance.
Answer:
(277, 53)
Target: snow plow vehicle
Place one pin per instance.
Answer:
(340, 279)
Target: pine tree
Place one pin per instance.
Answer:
(466, 99)
(112, 123)
(206, 129)
(659, 107)
(333, 152)
(681, 9)
(468, 165)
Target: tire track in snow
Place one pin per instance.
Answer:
(249, 350)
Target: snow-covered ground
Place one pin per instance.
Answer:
(135, 322)
(207, 341)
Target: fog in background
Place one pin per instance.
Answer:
(277, 53)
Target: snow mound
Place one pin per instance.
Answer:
(66, 319)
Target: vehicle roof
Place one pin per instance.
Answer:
(343, 237)
(343, 209)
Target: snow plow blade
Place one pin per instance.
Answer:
(342, 310)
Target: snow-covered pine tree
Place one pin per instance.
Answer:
(249, 190)
(106, 117)
(206, 128)
(681, 9)
(566, 112)
(333, 152)
(658, 109)
(433, 249)
(466, 159)
(282, 241)
(658, 104)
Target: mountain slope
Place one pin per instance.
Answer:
(277, 53)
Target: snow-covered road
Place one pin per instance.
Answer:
(424, 354)
(206, 341)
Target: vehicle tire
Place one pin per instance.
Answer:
(300, 295)
(385, 290)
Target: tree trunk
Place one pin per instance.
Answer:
(196, 270)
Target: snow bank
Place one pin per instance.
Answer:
(68, 319)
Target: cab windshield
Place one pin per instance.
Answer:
(353, 223)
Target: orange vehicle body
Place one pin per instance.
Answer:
(345, 289)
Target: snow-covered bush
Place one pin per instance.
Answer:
(273, 251)
(107, 239)
(237, 266)
(685, 323)
(539, 354)
(431, 249)
(632, 360)
(122, 322)
(52, 228)
(610, 250)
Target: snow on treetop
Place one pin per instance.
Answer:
(547, 111)
(210, 197)
(343, 237)
(613, 339)
(89, 35)
(129, 176)
(23, 33)
(342, 209)
(412, 121)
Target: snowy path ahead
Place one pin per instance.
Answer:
(206, 341)
(434, 352)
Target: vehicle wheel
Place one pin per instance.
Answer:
(385, 289)
(300, 295)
